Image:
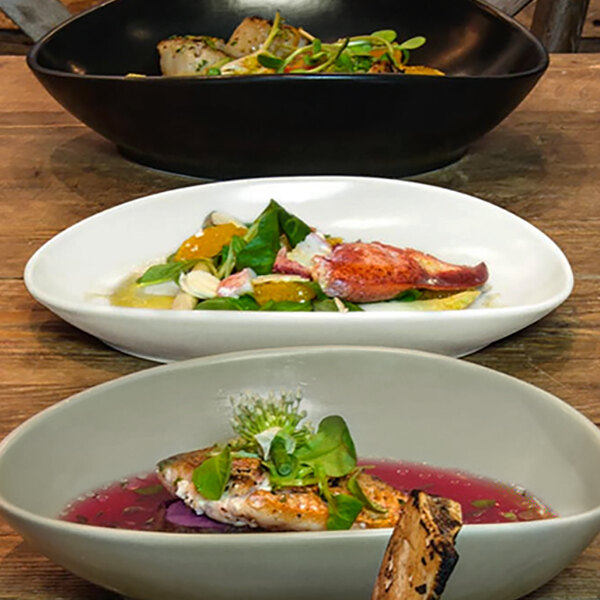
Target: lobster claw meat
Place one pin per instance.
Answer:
(372, 272)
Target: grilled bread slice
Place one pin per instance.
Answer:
(420, 555)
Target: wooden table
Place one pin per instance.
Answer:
(542, 163)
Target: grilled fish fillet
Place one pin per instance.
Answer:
(371, 272)
(420, 555)
(249, 500)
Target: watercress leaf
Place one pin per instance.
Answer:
(165, 272)
(389, 35)
(331, 450)
(412, 43)
(260, 252)
(343, 510)
(285, 463)
(211, 477)
(242, 303)
(269, 61)
(356, 490)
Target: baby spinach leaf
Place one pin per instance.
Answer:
(331, 450)
(165, 272)
(211, 477)
(294, 228)
(343, 510)
(245, 302)
(286, 306)
(229, 255)
(409, 296)
(260, 252)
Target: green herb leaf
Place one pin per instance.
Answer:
(356, 490)
(510, 516)
(244, 302)
(343, 510)
(286, 306)
(211, 477)
(149, 490)
(483, 503)
(294, 228)
(412, 43)
(285, 463)
(229, 254)
(213, 72)
(165, 272)
(389, 35)
(260, 252)
(270, 61)
(331, 449)
(316, 44)
(409, 296)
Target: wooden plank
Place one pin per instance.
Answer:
(33, 17)
(559, 23)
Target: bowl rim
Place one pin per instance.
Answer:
(87, 308)
(124, 535)
(36, 67)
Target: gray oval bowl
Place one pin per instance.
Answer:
(399, 404)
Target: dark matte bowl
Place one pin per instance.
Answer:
(388, 125)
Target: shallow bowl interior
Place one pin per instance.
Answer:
(529, 276)
(399, 404)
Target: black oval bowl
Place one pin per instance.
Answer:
(390, 125)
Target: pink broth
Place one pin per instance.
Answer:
(141, 503)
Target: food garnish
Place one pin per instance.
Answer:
(279, 473)
(420, 555)
(259, 47)
(279, 263)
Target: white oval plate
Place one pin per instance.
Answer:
(529, 275)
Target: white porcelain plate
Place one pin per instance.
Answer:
(529, 275)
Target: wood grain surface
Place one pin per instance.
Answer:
(542, 163)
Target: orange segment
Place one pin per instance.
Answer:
(209, 243)
(283, 291)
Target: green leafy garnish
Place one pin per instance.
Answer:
(149, 490)
(169, 271)
(355, 489)
(286, 306)
(269, 61)
(343, 510)
(244, 302)
(211, 477)
(483, 503)
(264, 238)
(331, 449)
(409, 296)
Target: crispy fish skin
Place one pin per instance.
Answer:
(249, 500)
(420, 555)
(372, 272)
